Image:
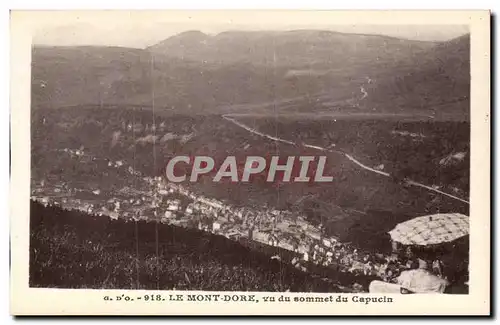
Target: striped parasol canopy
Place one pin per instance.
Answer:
(431, 229)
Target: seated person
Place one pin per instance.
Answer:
(437, 267)
(419, 280)
(411, 264)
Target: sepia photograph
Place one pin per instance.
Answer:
(250, 155)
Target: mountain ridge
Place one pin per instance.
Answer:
(285, 32)
(296, 48)
(402, 78)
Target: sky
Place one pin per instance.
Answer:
(144, 29)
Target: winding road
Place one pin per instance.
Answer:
(351, 158)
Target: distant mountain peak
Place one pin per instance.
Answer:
(191, 33)
(461, 41)
(187, 38)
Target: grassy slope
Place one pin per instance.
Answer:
(438, 81)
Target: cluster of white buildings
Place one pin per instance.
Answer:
(139, 127)
(75, 152)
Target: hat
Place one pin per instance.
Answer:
(422, 264)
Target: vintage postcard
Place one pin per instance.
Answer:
(250, 163)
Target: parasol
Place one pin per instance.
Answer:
(432, 229)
